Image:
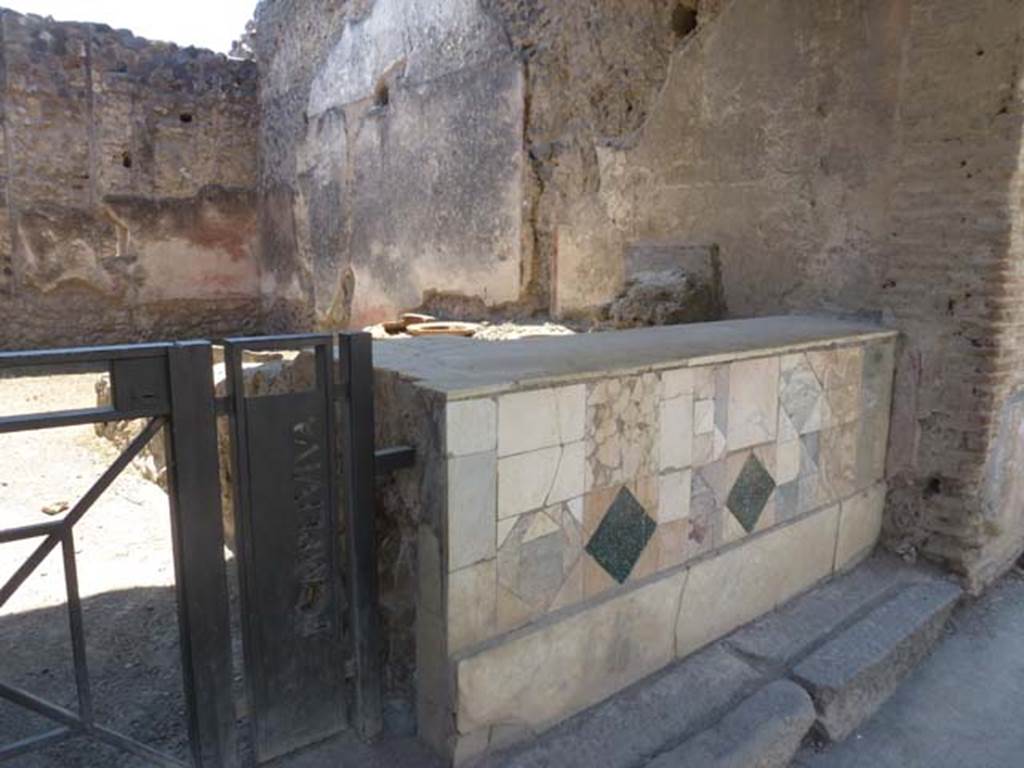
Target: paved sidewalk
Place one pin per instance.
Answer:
(962, 708)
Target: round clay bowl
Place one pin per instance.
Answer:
(442, 328)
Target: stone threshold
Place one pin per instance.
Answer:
(816, 668)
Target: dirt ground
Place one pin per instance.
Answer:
(126, 578)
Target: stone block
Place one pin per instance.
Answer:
(472, 484)
(470, 427)
(790, 632)
(860, 523)
(855, 673)
(539, 677)
(739, 585)
(472, 605)
(763, 731)
(628, 729)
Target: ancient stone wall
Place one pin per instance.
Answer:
(128, 169)
(392, 157)
(845, 156)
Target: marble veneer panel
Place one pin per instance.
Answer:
(567, 505)
(563, 494)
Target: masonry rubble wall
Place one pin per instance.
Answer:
(128, 172)
(850, 157)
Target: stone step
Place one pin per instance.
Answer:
(763, 731)
(854, 672)
(784, 637)
(631, 727)
(732, 703)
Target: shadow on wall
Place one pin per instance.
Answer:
(134, 667)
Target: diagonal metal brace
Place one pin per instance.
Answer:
(102, 483)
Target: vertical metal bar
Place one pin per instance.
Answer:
(243, 540)
(197, 528)
(77, 626)
(356, 366)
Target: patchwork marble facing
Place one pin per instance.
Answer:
(621, 536)
(710, 414)
(529, 481)
(750, 493)
(743, 480)
(803, 406)
(538, 566)
(622, 430)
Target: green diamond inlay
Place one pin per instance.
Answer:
(750, 493)
(621, 537)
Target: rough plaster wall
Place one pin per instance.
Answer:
(392, 162)
(767, 137)
(593, 70)
(128, 172)
(846, 156)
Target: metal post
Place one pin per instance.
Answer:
(356, 352)
(197, 529)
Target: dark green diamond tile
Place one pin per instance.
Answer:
(621, 537)
(750, 493)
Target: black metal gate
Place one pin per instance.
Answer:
(289, 449)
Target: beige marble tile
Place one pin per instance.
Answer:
(704, 416)
(540, 418)
(674, 496)
(472, 486)
(676, 383)
(676, 433)
(843, 405)
(471, 426)
(787, 461)
(571, 404)
(860, 524)
(801, 398)
(542, 676)
(570, 474)
(738, 585)
(704, 382)
(472, 605)
(527, 421)
(753, 402)
(838, 462)
(525, 480)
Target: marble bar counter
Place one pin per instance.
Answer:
(591, 508)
